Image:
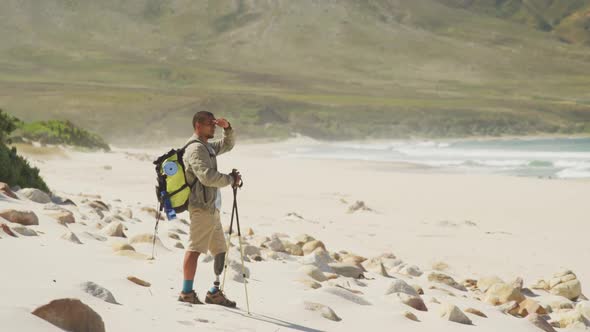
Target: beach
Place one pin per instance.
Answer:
(464, 225)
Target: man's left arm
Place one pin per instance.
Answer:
(227, 142)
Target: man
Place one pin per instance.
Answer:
(206, 233)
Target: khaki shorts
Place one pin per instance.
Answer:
(206, 233)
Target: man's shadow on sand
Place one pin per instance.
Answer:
(271, 320)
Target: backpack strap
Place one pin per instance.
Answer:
(184, 148)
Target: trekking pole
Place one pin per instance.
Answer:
(235, 210)
(156, 231)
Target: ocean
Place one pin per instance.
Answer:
(534, 157)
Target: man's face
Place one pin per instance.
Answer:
(207, 128)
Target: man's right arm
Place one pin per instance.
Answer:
(207, 176)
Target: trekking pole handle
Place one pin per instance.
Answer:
(234, 174)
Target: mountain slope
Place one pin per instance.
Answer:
(331, 69)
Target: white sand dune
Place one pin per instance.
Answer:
(478, 225)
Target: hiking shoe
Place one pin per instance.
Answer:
(219, 298)
(189, 298)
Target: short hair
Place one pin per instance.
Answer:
(201, 117)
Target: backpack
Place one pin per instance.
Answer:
(172, 184)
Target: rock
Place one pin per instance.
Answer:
(353, 259)
(440, 266)
(529, 306)
(347, 270)
(434, 300)
(139, 281)
(250, 250)
(63, 217)
(325, 311)
(311, 284)
(114, 229)
(540, 284)
(517, 283)
(476, 312)
(400, 286)
(445, 279)
(260, 241)
(572, 319)
(571, 289)
(553, 303)
(418, 289)
(540, 322)
(179, 245)
(340, 292)
(411, 270)
(70, 236)
(358, 206)
(452, 313)
(99, 205)
(250, 232)
(470, 283)
(302, 239)
(5, 190)
(309, 247)
(146, 238)
(35, 195)
(118, 246)
(375, 265)
(99, 292)
(485, 283)
(71, 315)
(173, 236)
(320, 259)
(275, 244)
(410, 316)
(127, 213)
(584, 308)
(25, 218)
(313, 272)
(7, 230)
(292, 249)
(501, 293)
(415, 302)
(24, 231)
(509, 308)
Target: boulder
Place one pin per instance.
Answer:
(400, 286)
(71, 315)
(325, 311)
(309, 247)
(5, 190)
(70, 236)
(445, 279)
(540, 322)
(501, 293)
(485, 283)
(25, 218)
(347, 270)
(98, 292)
(571, 289)
(413, 301)
(115, 229)
(476, 312)
(35, 195)
(63, 217)
(452, 313)
(314, 272)
(24, 231)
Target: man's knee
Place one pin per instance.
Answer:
(219, 263)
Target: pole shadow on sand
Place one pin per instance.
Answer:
(275, 321)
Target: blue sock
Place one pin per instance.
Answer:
(187, 286)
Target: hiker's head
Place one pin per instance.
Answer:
(204, 124)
